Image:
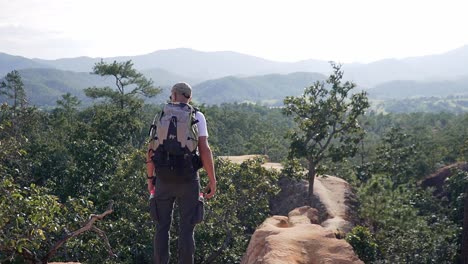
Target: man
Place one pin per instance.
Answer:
(186, 193)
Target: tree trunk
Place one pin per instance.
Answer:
(311, 176)
(464, 251)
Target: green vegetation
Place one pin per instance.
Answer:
(57, 167)
(327, 122)
(263, 89)
(238, 129)
(13, 88)
(451, 104)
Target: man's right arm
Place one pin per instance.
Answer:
(150, 169)
(208, 165)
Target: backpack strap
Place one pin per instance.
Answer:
(194, 111)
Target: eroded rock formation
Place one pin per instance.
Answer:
(333, 198)
(297, 238)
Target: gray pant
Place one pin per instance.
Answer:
(186, 195)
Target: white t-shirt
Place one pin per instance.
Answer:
(202, 129)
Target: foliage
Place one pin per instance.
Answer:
(397, 156)
(292, 168)
(58, 166)
(131, 215)
(126, 77)
(240, 206)
(400, 214)
(26, 216)
(238, 129)
(117, 120)
(456, 187)
(363, 243)
(327, 121)
(13, 88)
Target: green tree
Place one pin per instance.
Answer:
(232, 217)
(117, 121)
(406, 220)
(457, 191)
(31, 218)
(397, 156)
(12, 86)
(67, 107)
(362, 241)
(126, 77)
(327, 120)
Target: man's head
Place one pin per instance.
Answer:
(181, 92)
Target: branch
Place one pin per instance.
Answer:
(29, 256)
(324, 147)
(118, 83)
(102, 234)
(330, 137)
(225, 244)
(87, 226)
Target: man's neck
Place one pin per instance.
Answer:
(177, 102)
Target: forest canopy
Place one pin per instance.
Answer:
(58, 166)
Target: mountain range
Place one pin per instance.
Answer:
(227, 76)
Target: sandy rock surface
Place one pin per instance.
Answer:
(297, 238)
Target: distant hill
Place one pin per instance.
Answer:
(446, 66)
(268, 89)
(10, 62)
(449, 104)
(410, 89)
(165, 78)
(78, 64)
(226, 76)
(202, 66)
(195, 65)
(211, 65)
(45, 86)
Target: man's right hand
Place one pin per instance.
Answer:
(150, 185)
(210, 190)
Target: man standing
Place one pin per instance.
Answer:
(186, 193)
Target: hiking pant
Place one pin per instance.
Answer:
(186, 195)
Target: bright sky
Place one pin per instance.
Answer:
(282, 30)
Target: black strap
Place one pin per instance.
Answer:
(151, 128)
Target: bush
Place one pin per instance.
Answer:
(363, 243)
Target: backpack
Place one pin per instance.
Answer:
(174, 143)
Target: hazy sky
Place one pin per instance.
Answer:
(290, 30)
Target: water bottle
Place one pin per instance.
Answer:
(200, 210)
(153, 206)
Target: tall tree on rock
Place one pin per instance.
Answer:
(327, 119)
(126, 77)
